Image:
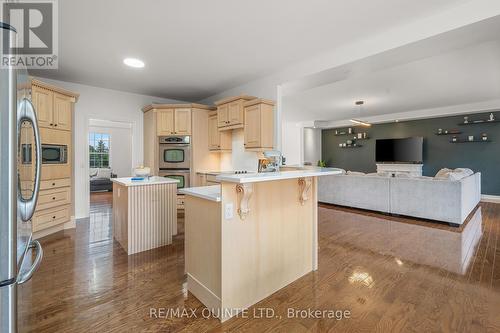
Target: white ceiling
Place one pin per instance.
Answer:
(194, 48)
(467, 75)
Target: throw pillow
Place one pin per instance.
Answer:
(443, 173)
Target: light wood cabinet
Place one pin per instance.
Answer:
(51, 217)
(222, 115)
(230, 112)
(53, 109)
(218, 140)
(165, 122)
(42, 101)
(62, 112)
(173, 122)
(259, 124)
(182, 119)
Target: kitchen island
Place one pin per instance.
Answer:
(250, 236)
(144, 212)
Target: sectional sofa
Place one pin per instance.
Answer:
(423, 197)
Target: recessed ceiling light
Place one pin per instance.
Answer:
(133, 62)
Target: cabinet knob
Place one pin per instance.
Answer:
(53, 198)
(51, 124)
(55, 125)
(53, 184)
(53, 217)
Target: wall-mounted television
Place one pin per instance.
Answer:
(407, 150)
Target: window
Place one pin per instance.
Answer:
(99, 150)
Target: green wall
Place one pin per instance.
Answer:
(438, 152)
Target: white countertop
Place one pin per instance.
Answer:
(127, 181)
(270, 176)
(205, 192)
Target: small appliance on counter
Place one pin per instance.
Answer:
(271, 161)
(142, 171)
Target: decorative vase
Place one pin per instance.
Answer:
(492, 117)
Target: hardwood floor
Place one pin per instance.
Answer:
(388, 272)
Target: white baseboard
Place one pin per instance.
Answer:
(490, 198)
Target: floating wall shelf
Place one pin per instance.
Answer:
(474, 141)
(357, 146)
(449, 133)
(480, 122)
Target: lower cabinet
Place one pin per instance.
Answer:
(47, 218)
(54, 204)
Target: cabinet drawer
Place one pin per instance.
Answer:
(55, 183)
(50, 217)
(180, 202)
(54, 198)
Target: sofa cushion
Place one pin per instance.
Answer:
(103, 173)
(355, 173)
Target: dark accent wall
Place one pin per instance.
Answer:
(438, 152)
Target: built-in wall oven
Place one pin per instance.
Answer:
(175, 159)
(175, 152)
(181, 175)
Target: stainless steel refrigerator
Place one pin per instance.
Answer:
(20, 256)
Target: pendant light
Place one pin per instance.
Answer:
(357, 121)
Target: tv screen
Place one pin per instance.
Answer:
(408, 150)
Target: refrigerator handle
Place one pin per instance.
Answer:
(26, 276)
(27, 207)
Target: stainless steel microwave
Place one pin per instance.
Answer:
(54, 154)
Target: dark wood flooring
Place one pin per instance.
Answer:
(88, 284)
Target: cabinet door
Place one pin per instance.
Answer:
(62, 112)
(213, 133)
(235, 113)
(42, 101)
(222, 115)
(252, 126)
(182, 120)
(165, 122)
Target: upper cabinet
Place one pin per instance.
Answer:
(62, 111)
(173, 122)
(259, 124)
(217, 140)
(230, 113)
(53, 106)
(165, 122)
(182, 121)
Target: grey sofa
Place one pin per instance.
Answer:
(100, 179)
(427, 198)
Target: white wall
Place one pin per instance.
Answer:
(312, 145)
(239, 158)
(104, 104)
(120, 154)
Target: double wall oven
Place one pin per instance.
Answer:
(175, 158)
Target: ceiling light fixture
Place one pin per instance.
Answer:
(133, 62)
(357, 121)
